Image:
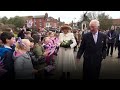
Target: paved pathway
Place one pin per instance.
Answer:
(110, 68)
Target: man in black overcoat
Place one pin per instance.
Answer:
(93, 45)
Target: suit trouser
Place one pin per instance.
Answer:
(118, 50)
(91, 69)
(110, 45)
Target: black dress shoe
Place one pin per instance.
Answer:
(63, 76)
(68, 75)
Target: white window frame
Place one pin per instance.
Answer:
(40, 24)
(48, 24)
(48, 19)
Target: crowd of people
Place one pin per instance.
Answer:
(21, 57)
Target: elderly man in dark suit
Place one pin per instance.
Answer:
(93, 46)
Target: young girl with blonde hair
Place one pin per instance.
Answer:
(22, 61)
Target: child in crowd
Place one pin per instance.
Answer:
(38, 49)
(49, 47)
(56, 42)
(27, 34)
(22, 61)
(1, 44)
(6, 53)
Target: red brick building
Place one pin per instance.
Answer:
(43, 21)
(39, 21)
(116, 22)
(51, 22)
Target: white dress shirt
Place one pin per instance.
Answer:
(7, 47)
(95, 36)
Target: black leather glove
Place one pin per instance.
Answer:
(61, 45)
(67, 46)
(70, 42)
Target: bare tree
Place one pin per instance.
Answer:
(93, 14)
(105, 20)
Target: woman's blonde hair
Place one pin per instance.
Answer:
(25, 43)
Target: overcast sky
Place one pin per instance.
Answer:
(66, 16)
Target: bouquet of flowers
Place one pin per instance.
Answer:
(66, 43)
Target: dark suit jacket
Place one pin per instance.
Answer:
(9, 66)
(90, 49)
(113, 36)
(117, 43)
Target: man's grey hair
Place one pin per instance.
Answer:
(96, 22)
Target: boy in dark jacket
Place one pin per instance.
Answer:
(8, 40)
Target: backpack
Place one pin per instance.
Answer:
(3, 55)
